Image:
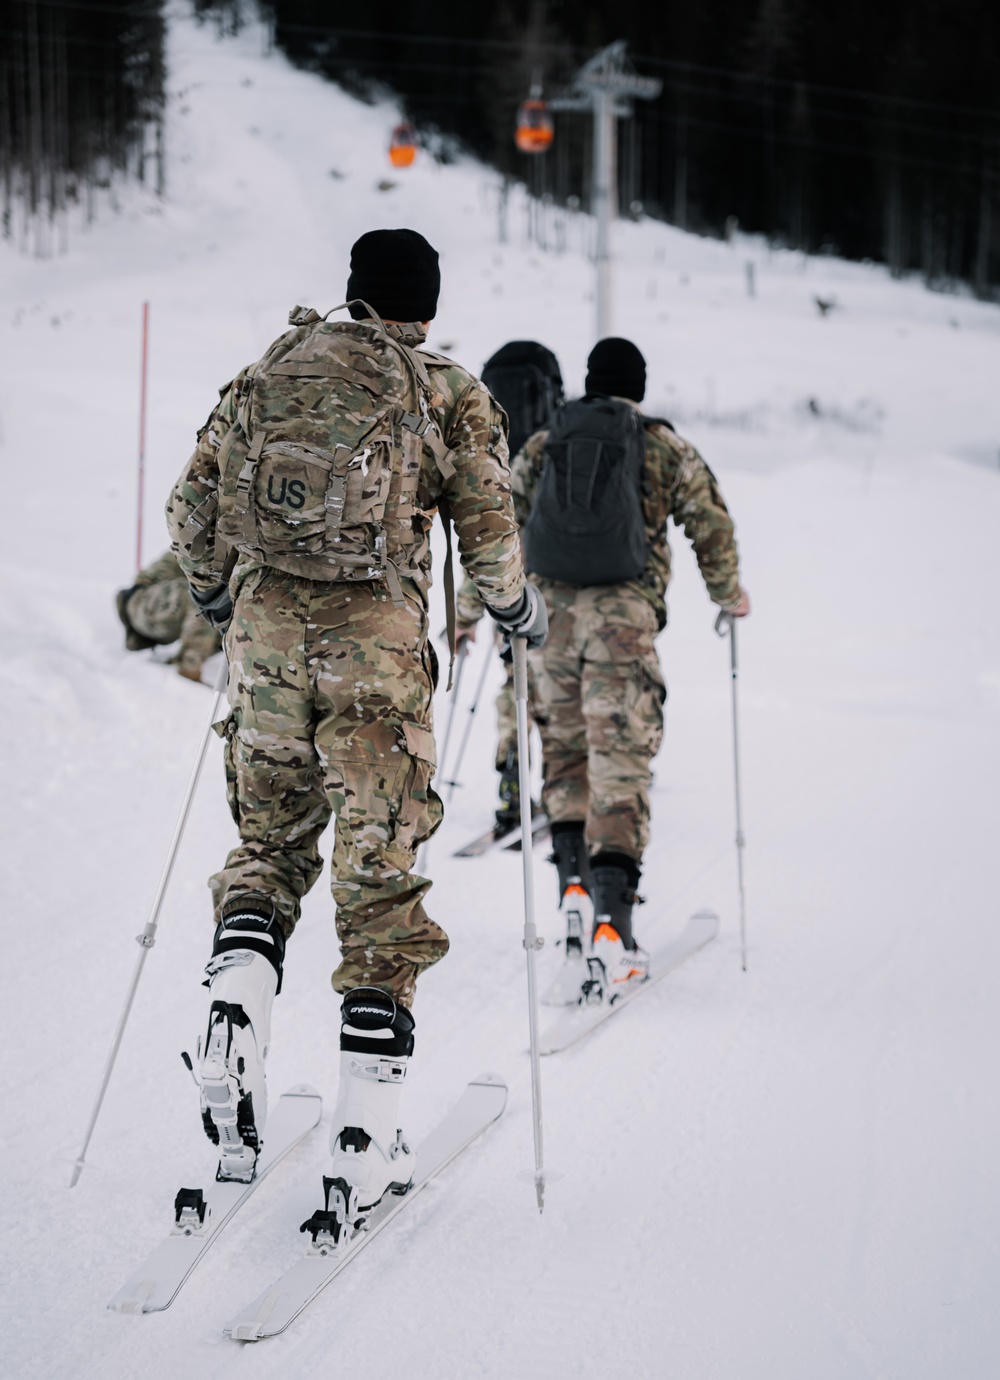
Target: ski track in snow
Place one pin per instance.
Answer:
(781, 1174)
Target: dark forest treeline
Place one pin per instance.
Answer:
(81, 105)
(869, 130)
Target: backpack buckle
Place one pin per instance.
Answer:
(417, 424)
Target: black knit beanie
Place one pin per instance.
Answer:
(616, 366)
(396, 272)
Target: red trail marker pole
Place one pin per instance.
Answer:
(142, 436)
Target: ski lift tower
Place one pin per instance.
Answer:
(607, 85)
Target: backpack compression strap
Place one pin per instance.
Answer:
(450, 612)
(201, 524)
(243, 503)
(427, 429)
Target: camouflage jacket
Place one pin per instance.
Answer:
(478, 493)
(681, 487)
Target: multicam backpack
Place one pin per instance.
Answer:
(318, 477)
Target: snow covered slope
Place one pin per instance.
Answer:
(769, 1176)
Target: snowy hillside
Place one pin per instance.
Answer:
(784, 1174)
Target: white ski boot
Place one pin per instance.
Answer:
(578, 916)
(612, 967)
(244, 976)
(616, 962)
(569, 853)
(370, 1154)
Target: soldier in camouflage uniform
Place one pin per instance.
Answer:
(525, 378)
(158, 609)
(599, 689)
(330, 689)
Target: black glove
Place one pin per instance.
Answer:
(527, 618)
(214, 605)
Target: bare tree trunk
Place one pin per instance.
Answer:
(985, 230)
(6, 145)
(927, 229)
(894, 222)
(681, 169)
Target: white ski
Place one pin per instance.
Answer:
(540, 831)
(564, 989)
(200, 1214)
(479, 1105)
(578, 1021)
(508, 838)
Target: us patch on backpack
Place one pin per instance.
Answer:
(586, 525)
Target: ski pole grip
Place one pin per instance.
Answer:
(519, 648)
(726, 623)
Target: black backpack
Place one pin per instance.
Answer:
(586, 525)
(524, 378)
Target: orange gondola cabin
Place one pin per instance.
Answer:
(403, 146)
(533, 132)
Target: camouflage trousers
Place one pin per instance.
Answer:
(507, 717)
(163, 612)
(506, 707)
(506, 722)
(598, 702)
(330, 691)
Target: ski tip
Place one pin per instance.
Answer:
(707, 921)
(302, 1090)
(488, 1080)
(498, 1091)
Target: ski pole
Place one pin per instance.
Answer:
(723, 624)
(532, 942)
(456, 689)
(147, 939)
(468, 727)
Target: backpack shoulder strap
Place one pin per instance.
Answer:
(426, 427)
(450, 608)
